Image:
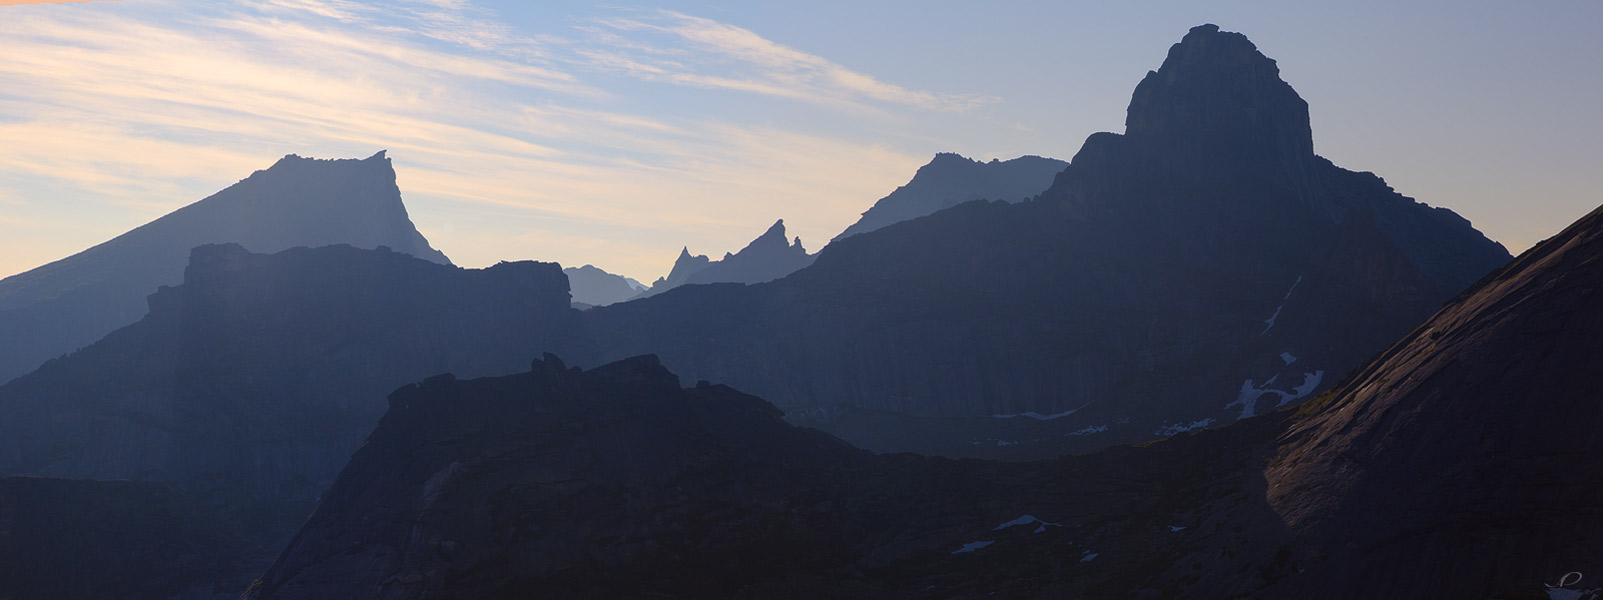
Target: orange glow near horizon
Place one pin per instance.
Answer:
(15, 2)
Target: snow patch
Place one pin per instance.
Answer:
(1027, 520)
(1270, 322)
(1037, 416)
(1089, 430)
(1309, 382)
(1250, 393)
(1288, 357)
(1176, 528)
(1168, 430)
(1088, 558)
(971, 546)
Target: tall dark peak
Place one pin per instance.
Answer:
(72, 302)
(1203, 268)
(950, 179)
(1216, 88)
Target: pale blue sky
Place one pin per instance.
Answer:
(614, 133)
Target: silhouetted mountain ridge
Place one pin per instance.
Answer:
(70, 303)
(261, 373)
(769, 257)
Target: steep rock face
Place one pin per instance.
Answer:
(595, 287)
(261, 373)
(1457, 464)
(70, 303)
(1476, 435)
(769, 257)
(950, 180)
(1202, 268)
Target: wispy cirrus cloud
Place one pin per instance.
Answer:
(508, 145)
(702, 52)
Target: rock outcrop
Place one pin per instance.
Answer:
(70, 303)
(260, 374)
(950, 179)
(1203, 267)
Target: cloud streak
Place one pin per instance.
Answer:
(760, 65)
(508, 146)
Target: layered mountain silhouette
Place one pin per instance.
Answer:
(769, 257)
(70, 303)
(1203, 267)
(1457, 464)
(950, 180)
(592, 286)
(260, 374)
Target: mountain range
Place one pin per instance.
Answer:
(1202, 267)
(260, 374)
(769, 257)
(1454, 465)
(1216, 364)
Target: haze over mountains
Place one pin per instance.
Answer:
(950, 180)
(261, 373)
(1447, 467)
(769, 257)
(1183, 285)
(592, 286)
(67, 304)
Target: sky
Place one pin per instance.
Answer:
(614, 134)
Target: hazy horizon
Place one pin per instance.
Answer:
(614, 136)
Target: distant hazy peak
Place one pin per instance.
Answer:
(950, 179)
(593, 286)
